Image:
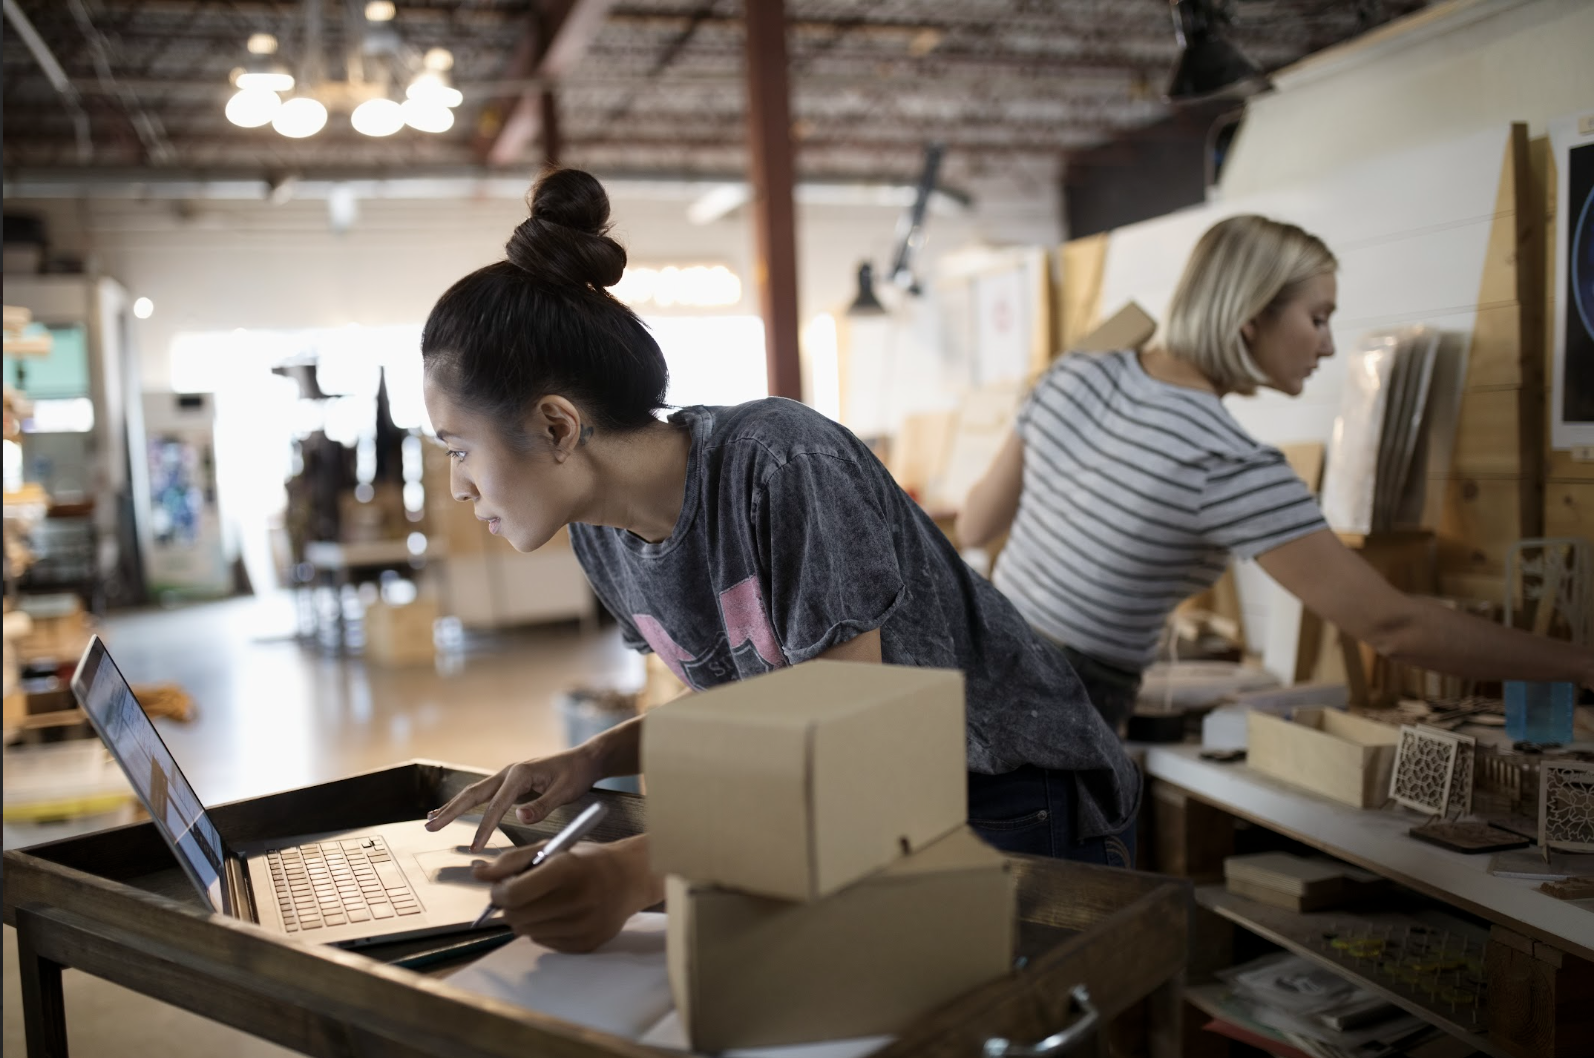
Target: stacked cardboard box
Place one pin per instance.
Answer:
(822, 883)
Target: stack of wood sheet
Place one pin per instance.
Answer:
(1374, 480)
(1296, 883)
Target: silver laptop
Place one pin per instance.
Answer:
(347, 888)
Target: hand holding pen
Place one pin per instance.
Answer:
(573, 832)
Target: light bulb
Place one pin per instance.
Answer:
(426, 116)
(439, 59)
(432, 87)
(253, 107)
(377, 117)
(299, 117)
(143, 308)
(379, 11)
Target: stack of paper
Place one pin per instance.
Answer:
(1312, 1011)
(623, 989)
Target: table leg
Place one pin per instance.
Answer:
(43, 1005)
(341, 582)
(1165, 1018)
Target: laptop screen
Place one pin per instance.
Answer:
(133, 741)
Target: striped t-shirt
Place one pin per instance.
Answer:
(1136, 492)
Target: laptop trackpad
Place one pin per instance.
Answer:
(452, 866)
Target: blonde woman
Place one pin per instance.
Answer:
(1127, 485)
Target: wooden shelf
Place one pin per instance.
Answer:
(1307, 935)
(1378, 841)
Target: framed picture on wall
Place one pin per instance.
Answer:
(1572, 363)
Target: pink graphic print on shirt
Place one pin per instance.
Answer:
(746, 621)
(664, 645)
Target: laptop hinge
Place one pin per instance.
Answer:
(239, 889)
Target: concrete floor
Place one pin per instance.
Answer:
(274, 715)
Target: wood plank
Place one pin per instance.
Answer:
(1569, 509)
(1564, 466)
(1082, 263)
(1494, 353)
(1303, 933)
(1481, 517)
(1532, 429)
(1488, 433)
(771, 172)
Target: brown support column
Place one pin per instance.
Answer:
(771, 175)
(550, 128)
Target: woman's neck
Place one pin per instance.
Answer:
(1165, 367)
(639, 479)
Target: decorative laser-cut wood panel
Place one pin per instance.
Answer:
(1459, 802)
(1566, 806)
(1424, 765)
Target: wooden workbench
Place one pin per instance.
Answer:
(115, 905)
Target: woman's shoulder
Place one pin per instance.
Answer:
(777, 428)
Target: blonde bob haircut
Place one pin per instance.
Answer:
(1243, 267)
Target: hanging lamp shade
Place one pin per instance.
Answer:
(1209, 63)
(866, 304)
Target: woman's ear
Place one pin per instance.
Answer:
(1248, 332)
(559, 421)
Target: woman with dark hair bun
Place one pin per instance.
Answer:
(730, 542)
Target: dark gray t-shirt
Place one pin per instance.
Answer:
(793, 538)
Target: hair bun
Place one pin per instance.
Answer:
(565, 241)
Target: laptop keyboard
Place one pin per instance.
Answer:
(336, 883)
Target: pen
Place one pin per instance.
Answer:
(573, 832)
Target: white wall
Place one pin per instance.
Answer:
(217, 265)
(1445, 73)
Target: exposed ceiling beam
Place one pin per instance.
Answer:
(550, 49)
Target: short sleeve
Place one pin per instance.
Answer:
(1254, 503)
(828, 547)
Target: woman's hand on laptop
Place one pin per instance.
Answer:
(546, 782)
(576, 900)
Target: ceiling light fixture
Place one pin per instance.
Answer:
(300, 117)
(433, 87)
(252, 107)
(424, 116)
(262, 70)
(380, 11)
(377, 117)
(866, 303)
(429, 96)
(1209, 63)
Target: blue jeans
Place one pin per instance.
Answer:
(1034, 810)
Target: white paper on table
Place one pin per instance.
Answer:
(622, 988)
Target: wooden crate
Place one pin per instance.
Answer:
(1339, 756)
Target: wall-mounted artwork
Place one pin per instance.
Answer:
(1572, 399)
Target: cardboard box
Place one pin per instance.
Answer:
(748, 971)
(401, 635)
(799, 782)
(1343, 757)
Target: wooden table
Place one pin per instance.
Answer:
(114, 905)
(1192, 799)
